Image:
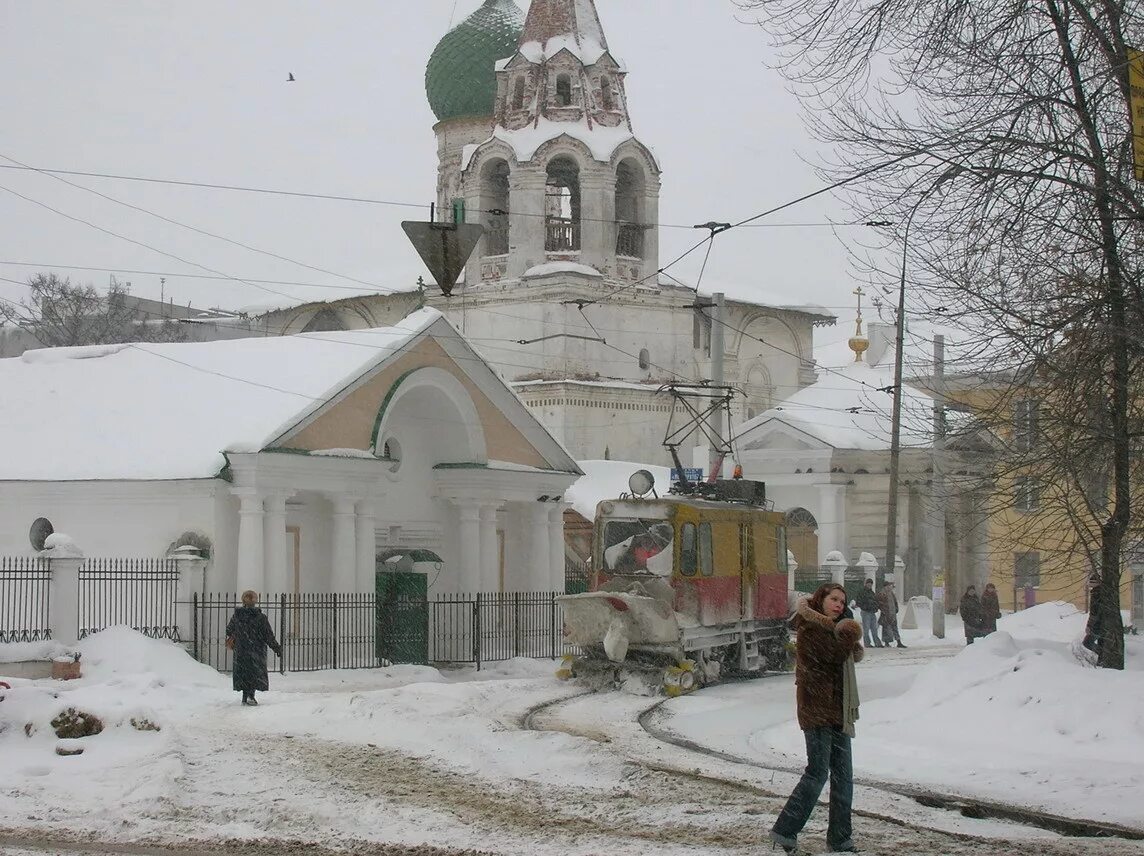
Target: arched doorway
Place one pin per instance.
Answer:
(802, 537)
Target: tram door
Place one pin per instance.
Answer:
(748, 570)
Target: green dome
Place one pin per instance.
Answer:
(460, 79)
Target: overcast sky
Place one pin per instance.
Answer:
(198, 92)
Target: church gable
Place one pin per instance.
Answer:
(357, 418)
(775, 435)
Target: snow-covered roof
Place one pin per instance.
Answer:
(607, 480)
(556, 25)
(550, 268)
(847, 408)
(601, 141)
(595, 384)
(169, 411)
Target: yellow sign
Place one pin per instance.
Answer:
(1136, 105)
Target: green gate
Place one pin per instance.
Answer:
(402, 616)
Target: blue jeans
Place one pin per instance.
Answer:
(869, 629)
(827, 756)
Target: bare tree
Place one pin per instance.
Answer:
(1001, 132)
(59, 314)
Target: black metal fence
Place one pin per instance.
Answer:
(356, 631)
(25, 599)
(140, 593)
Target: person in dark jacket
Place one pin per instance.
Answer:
(248, 631)
(828, 646)
(888, 619)
(990, 609)
(972, 615)
(868, 602)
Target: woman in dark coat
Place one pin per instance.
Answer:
(248, 633)
(828, 646)
(990, 609)
(972, 615)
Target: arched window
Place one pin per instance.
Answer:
(495, 207)
(629, 210)
(562, 206)
(563, 90)
(607, 97)
(802, 537)
(518, 94)
(645, 359)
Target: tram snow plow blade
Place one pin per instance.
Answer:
(617, 620)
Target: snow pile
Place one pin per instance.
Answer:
(607, 480)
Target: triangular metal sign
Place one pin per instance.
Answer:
(444, 247)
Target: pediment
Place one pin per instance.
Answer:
(776, 435)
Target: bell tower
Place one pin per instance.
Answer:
(560, 182)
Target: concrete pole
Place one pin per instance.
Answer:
(344, 554)
(937, 578)
(63, 618)
(468, 575)
(274, 526)
(718, 319)
(490, 553)
(251, 572)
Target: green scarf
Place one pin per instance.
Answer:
(849, 697)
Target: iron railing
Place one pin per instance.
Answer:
(140, 593)
(25, 599)
(357, 631)
(630, 240)
(496, 237)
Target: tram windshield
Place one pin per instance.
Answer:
(635, 546)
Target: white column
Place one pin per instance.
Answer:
(468, 574)
(539, 573)
(490, 552)
(556, 546)
(191, 567)
(274, 525)
(251, 573)
(831, 519)
(365, 525)
(343, 560)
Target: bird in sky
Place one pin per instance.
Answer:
(290, 77)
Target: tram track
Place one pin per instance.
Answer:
(966, 806)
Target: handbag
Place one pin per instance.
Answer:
(230, 643)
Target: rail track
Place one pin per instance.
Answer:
(649, 719)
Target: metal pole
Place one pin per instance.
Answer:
(938, 573)
(896, 430)
(717, 322)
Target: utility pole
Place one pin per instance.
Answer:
(937, 574)
(717, 322)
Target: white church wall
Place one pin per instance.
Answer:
(114, 519)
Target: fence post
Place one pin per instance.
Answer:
(334, 604)
(195, 623)
(477, 640)
(553, 637)
(191, 567)
(282, 635)
(64, 561)
(516, 646)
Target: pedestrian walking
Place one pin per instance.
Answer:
(248, 634)
(972, 616)
(826, 691)
(888, 619)
(990, 609)
(867, 601)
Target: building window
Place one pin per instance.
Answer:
(562, 206)
(1027, 569)
(563, 90)
(1025, 423)
(458, 210)
(629, 213)
(688, 555)
(607, 96)
(518, 94)
(1027, 493)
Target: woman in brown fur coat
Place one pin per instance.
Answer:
(828, 647)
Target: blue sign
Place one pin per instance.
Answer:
(694, 474)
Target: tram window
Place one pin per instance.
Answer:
(746, 546)
(706, 559)
(638, 546)
(688, 555)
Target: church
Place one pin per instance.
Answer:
(564, 293)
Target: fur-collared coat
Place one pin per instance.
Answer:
(251, 632)
(821, 649)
